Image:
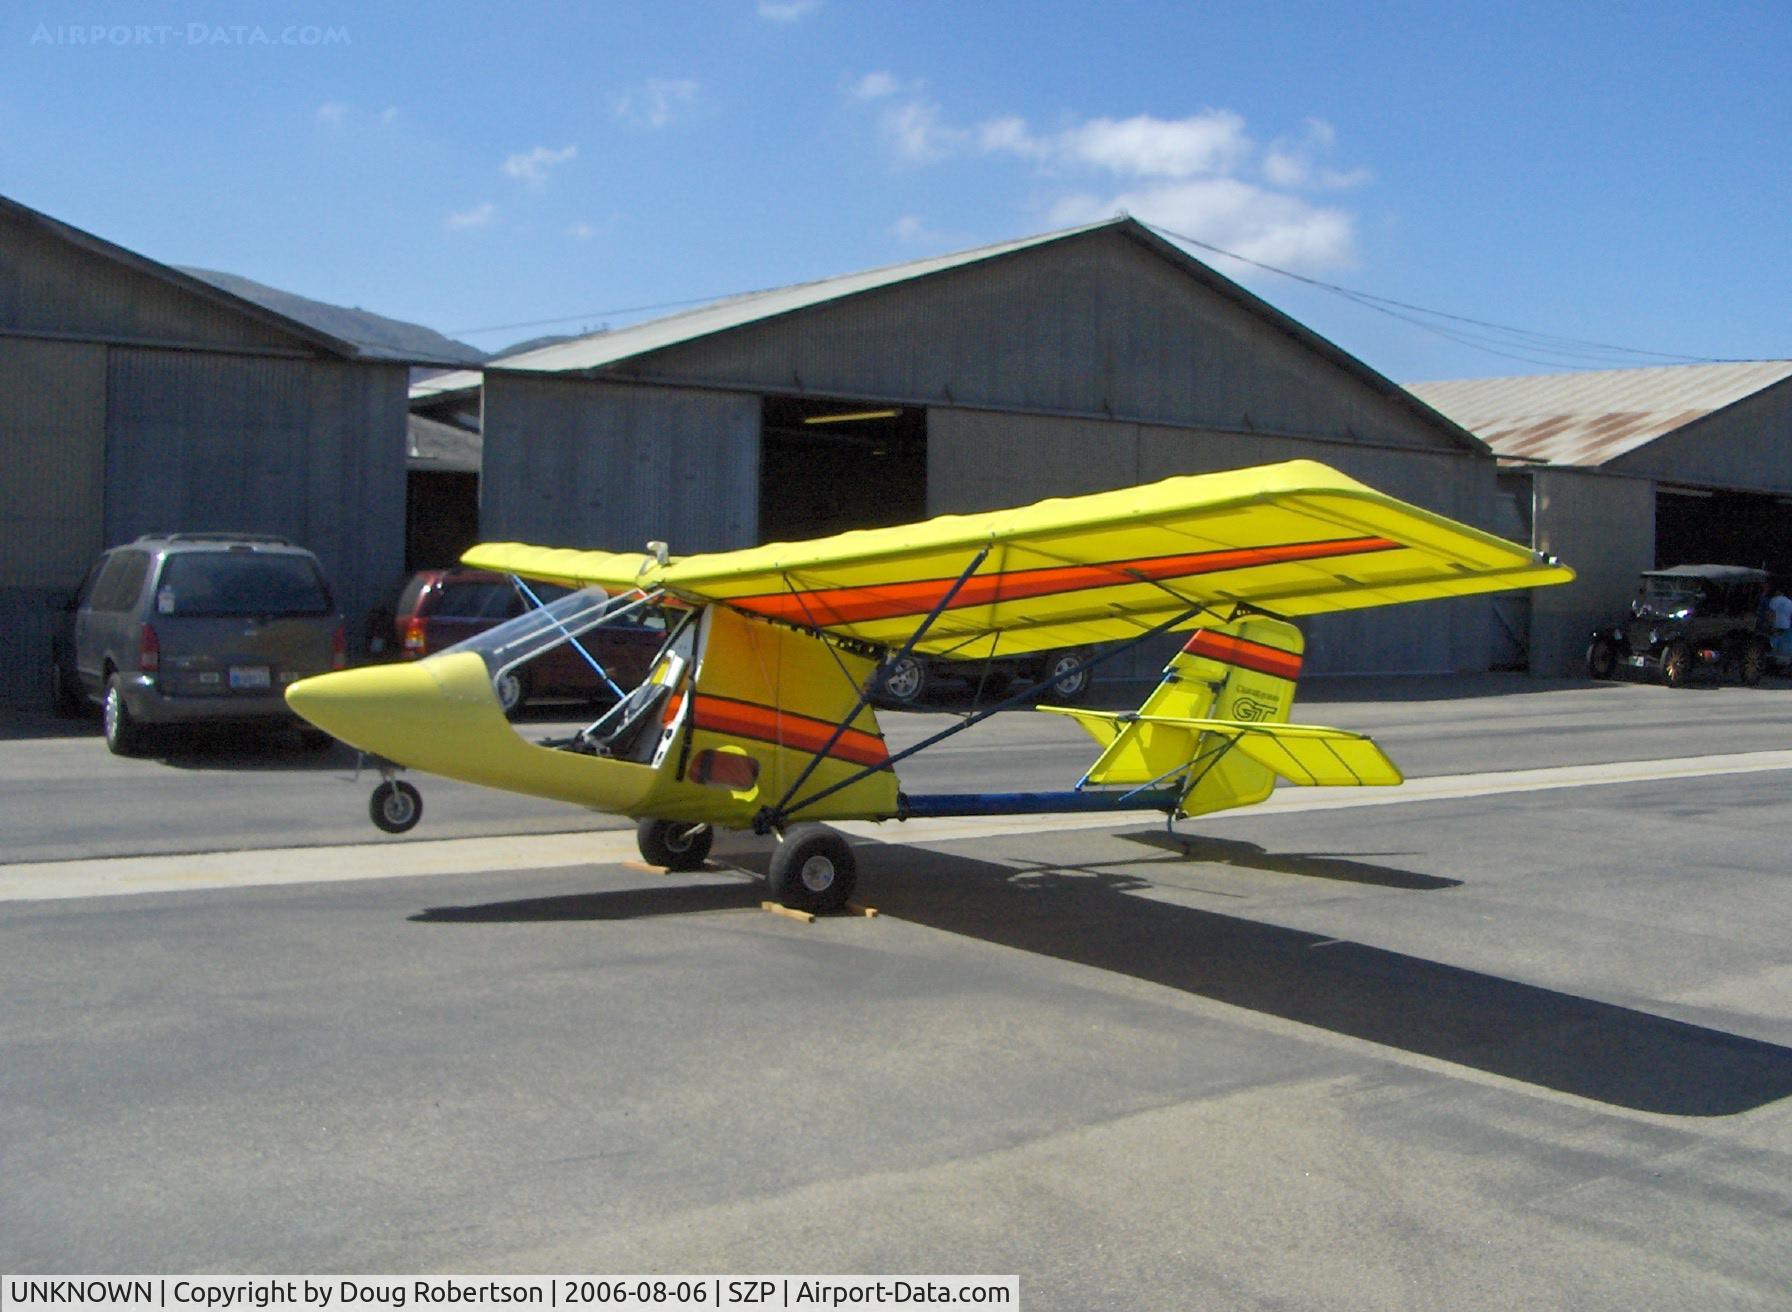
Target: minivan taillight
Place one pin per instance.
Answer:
(415, 644)
(339, 648)
(149, 650)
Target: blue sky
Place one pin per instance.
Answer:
(1598, 172)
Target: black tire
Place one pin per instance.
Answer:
(1066, 688)
(1751, 664)
(1602, 658)
(674, 844)
(905, 681)
(124, 736)
(512, 688)
(1676, 664)
(812, 869)
(395, 806)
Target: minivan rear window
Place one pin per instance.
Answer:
(202, 583)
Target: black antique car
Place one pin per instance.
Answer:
(1686, 618)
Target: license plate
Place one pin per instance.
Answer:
(249, 676)
(1636, 660)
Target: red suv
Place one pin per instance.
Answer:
(440, 607)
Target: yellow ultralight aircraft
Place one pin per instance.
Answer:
(757, 712)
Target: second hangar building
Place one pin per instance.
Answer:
(1073, 362)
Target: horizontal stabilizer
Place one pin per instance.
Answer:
(1308, 754)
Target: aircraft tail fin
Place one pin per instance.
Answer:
(1219, 718)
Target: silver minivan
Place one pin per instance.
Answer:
(189, 628)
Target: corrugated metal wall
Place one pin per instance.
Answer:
(313, 450)
(1603, 526)
(588, 464)
(1098, 326)
(1747, 445)
(52, 454)
(982, 459)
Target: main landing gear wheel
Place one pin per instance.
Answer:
(674, 844)
(396, 806)
(813, 869)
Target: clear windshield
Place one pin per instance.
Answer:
(1665, 598)
(535, 631)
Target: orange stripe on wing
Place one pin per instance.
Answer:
(768, 724)
(1257, 656)
(831, 606)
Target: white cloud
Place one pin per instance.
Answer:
(582, 230)
(1241, 217)
(482, 215)
(873, 86)
(658, 103)
(332, 113)
(1145, 147)
(388, 116)
(918, 134)
(787, 11)
(1201, 175)
(533, 166)
(1295, 163)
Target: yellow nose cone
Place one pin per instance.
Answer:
(398, 711)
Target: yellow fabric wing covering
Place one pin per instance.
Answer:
(1294, 539)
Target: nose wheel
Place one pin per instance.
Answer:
(396, 806)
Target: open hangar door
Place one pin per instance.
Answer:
(826, 466)
(1703, 526)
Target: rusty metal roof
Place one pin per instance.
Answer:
(1593, 418)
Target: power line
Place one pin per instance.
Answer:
(1513, 343)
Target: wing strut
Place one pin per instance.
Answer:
(592, 661)
(774, 817)
(779, 807)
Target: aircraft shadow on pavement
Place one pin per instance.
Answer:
(1596, 1050)
(1231, 852)
(620, 904)
(1540, 1036)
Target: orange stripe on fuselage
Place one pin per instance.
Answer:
(768, 724)
(1258, 656)
(830, 606)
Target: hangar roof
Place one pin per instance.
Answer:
(602, 350)
(1593, 418)
(433, 445)
(287, 325)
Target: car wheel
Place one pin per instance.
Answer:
(395, 806)
(1602, 658)
(903, 681)
(813, 869)
(513, 690)
(674, 844)
(1752, 663)
(1068, 683)
(124, 736)
(1676, 664)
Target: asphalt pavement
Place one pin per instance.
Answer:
(1522, 1037)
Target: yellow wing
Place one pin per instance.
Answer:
(1295, 539)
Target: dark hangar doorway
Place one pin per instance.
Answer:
(826, 466)
(1698, 526)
